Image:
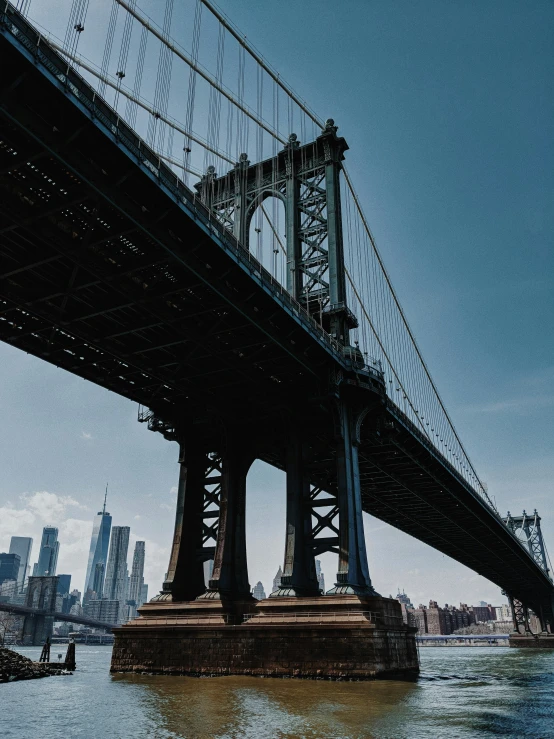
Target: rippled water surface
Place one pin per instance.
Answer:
(466, 692)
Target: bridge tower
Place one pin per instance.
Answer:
(41, 594)
(527, 528)
(216, 453)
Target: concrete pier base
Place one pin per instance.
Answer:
(532, 641)
(332, 637)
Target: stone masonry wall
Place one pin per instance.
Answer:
(297, 651)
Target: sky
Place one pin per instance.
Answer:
(448, 110)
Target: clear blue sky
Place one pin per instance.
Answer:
(448, 110)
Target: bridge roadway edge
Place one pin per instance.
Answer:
(325, 637)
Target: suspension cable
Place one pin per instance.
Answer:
(115, 85)
(261, 61)
(199, 70)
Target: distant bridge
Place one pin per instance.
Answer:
(431, 638)
(55, 616)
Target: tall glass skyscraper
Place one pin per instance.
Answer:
(136, 581)
(48, 554)
(137, 573)
(116, 584)
(22, 545)
(98, 553)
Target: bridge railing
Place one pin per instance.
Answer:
(215, 619)
(43, 53)
(428, 444)
(321, 617)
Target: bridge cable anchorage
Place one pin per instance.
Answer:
(148, 24)
(144, 105)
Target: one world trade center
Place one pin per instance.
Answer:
(98, 554)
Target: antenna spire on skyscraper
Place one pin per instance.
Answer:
(105, 498)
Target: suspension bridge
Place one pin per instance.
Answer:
(180, 228)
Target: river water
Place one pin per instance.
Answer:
(465, 692)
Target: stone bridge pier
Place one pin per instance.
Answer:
(41, 594)
(350, 631)
(218, 628)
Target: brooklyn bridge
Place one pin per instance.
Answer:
(218, 270)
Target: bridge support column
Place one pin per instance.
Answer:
(299, 574)
(185, 575)
(353, 573)
(520, 616)
(229, 579)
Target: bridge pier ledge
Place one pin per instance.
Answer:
(344, 637)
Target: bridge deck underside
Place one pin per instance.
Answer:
(106, 276)
(109, 274)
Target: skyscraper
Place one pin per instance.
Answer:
(117, 576)
(136, 580)
(9, 566)
(98, 553)
(320, 576)
(98, 582)
(22, 546)
(48, 554)
(258, 591)
(143, 594)
(277, 579)
(64, 583)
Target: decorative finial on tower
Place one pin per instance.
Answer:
(293, 141)
(330, 126)
(243, 157)
(211, 170)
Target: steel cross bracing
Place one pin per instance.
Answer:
(296, 175)
(211, 504)
(113, 270)
(529, 526)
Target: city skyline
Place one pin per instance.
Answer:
(110, 583)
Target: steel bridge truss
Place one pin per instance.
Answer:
(306, 180)
(528, 528)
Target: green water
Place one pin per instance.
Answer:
(466, 692)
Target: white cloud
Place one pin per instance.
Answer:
(166, 507)
(86, 435)
(173, 490)
(137, 517)
(49, 506)
(40, 509)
